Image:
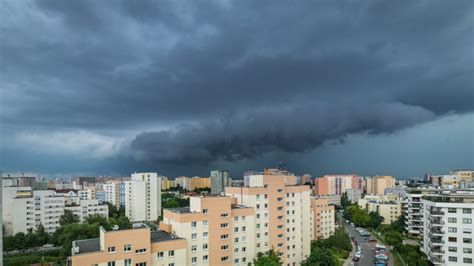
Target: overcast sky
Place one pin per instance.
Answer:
(181, 87)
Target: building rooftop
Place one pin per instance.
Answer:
(158, 236)
(236, 206)
(86, 246)
(180, 210)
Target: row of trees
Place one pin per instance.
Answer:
(21, 241)
(363, 218)
(323, 252)
(169, 200)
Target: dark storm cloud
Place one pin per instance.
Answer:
(233, 80)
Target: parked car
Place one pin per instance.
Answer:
(353, 238)
(370, 239)
(352, 225)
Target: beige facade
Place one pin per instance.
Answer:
(112, 192)
(130, 247)
(323, 216)
(377, 184)
(199, 182)
(388, 206)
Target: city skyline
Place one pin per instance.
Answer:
(368, 88)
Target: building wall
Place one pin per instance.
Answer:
(143, 197)
(323, 218)
(199, 182)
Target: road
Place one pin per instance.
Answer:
(367, 257)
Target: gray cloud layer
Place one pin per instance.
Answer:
(232, 80)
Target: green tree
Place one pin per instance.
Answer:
(43, 236)
(64, 235)
(399, 224)
(271, 259)
(171, 203)
(68, 217)
(345, 201)
(99, 220)
(319, 256)
(375, 220)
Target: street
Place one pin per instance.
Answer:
(367, 257)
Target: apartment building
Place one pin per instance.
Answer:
(448, 232)
(353, 195)
(336, 184)
(199, 182)
(143, 197)
(387, 206)
(138, 246)
(413, 213)
(112, 192)
(377, 184)
(323, 216)
(86, 208)
(182, 182)
(217, 230)
(219, 180)
(283, 218)
(29, 209)
(334, 200)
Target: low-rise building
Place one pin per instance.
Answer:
(353, 194)
(138, 246)
(387, 206)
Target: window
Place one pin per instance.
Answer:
(140, 251)
(224, 215)
(452, 210)
(111, 249)
(127, 248)
(193, 224)
(466, 220)
(204, 211)
(258, 235)
(236, 250)
(244, 239)
(280, 245)
(194, 260)
(467, 250)
(223, 237)
(111, 263)
(244, 259)
(452, 220)
(258, 197)
(466, 211)
(205, 234)
(225, 247)
(452, 249)
(236, 229)
(224, 225)
(236, 219)
(467, 240)
(244, 228)
(452, 229)
(236, 240)
(193, 248)
(236, 261)
(258, 206)
(452, 239)
(160, 254)
(204, 246)
(127, 262)
(244, 249)
(467, 260)
(453, 259)
(204, 223)
(171, 253)
(171, 264)
(194, 236)
(205, 258)
(140, 264)
(467, 230)
(224, 258)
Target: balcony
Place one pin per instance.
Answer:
(436, 222)
(436, 242)
(436, 232)
(437, 251)
(436, 213)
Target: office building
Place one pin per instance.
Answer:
(219, 180)
(448, 232)
(143, 197)
(138, 246)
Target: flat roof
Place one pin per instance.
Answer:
(158, 236)
(87, 245)
(180, 210)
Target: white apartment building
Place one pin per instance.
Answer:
(86, 208)
(143, 197)
(112, 190)
(353, 194)
(182, 181)
(448, 232)
(27, 209)
(413, 213)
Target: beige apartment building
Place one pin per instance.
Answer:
(376, 185)
(387, 206)
(138, 246)
(199, 182)
(322, 218)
